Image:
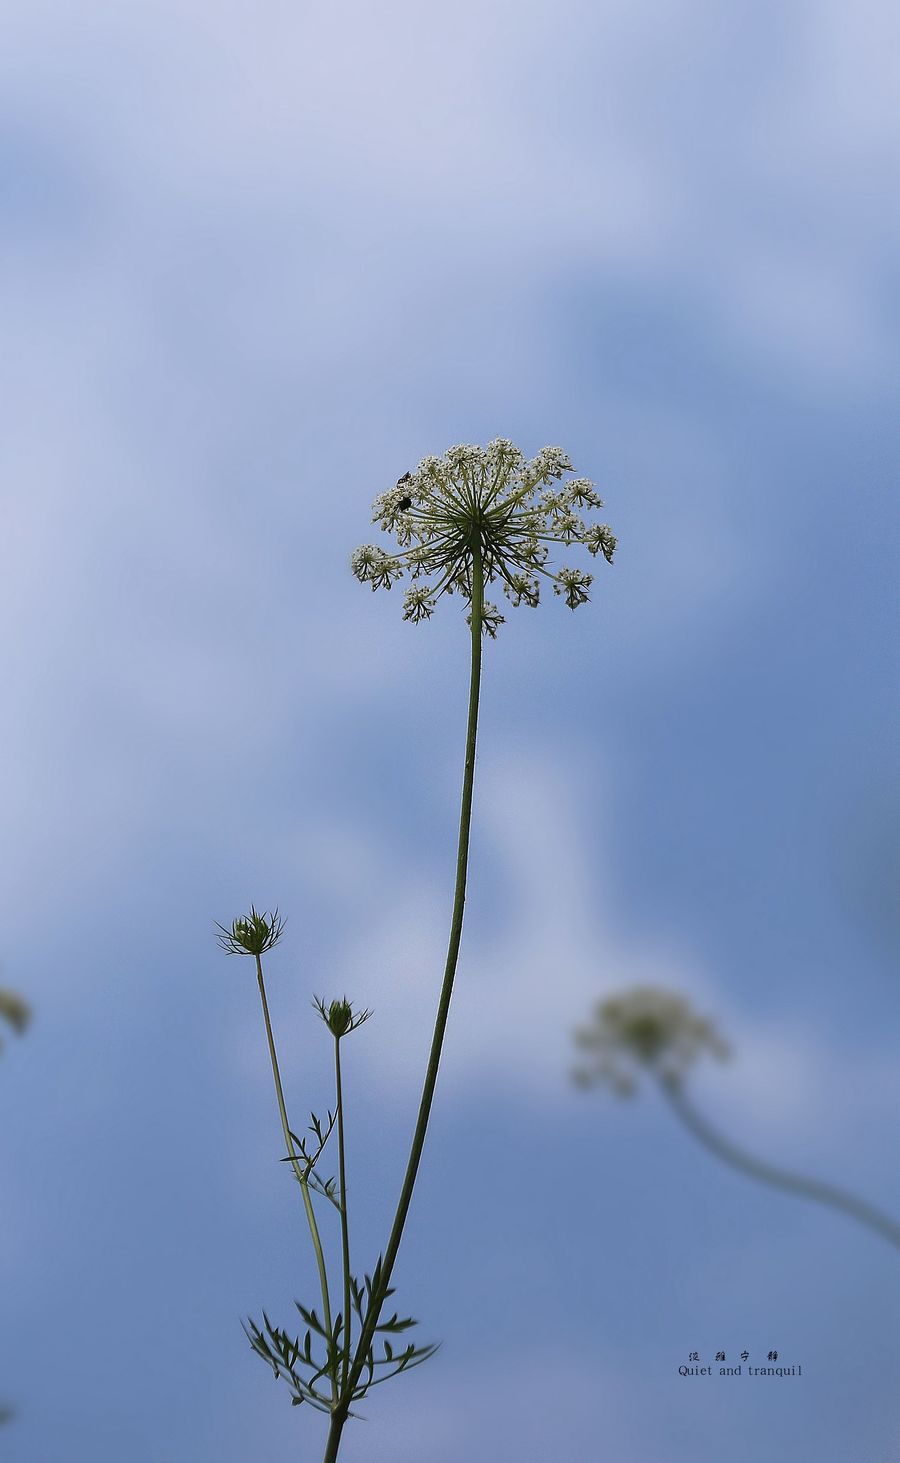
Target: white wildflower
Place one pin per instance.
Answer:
(648, 1027)
(491, 619)
(490, 504)
(372, 565)
(418, 604)
(574, 584)
(600, 538)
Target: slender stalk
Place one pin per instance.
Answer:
(778, 1178)
(339, 1413)
(334, 1437)
(345, 1230)
(295, 1164)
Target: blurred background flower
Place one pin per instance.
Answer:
(644, 1028)
(14, 1010)
(258, 262)
(655, 1032)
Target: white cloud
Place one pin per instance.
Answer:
(528, 969)
(745, 169)
(247, 204)
(429, 1420)
(551, 946)
(275, 203)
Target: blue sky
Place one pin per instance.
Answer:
(256, 262)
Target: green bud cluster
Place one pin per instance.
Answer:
(252, 934)
(339, 1016)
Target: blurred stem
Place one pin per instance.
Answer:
(295, 1164)
(339, 1414)
(345, 1230)
(778, 1178)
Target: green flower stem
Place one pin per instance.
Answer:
(339, 1414)
(779, 1178)
(345, 1230)
(301, 1176)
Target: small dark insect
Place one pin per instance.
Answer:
(406, 478)
(404, 504)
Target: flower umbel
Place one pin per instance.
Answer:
(494, 501)
(651, 1028)
(252, 934)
